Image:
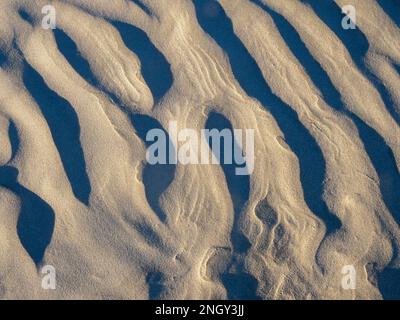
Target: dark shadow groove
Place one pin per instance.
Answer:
(36, 219)
(14, 139)
(389, 283)
(353, 39)
(388, 279)
(71, 52)
(238, 185)
(392, 9)
(397, 67)
(3, 59)
(155, 282)
(356, 43)
(142, 6)
(156, 177)
(155, 68)
(387, 98)
(384, 162)
(300, 51)
(380, 154)
(64, 126)
(247, 72)
(240, 284)
(26, 16)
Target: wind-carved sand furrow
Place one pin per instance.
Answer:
(233, 108)
(65, 131)
(383, 52)
(310, 112)
(391, 8)
(87, 110)
(35, 222)
(195, 218)
(99, 193)
(168, 276)
(240, 285)
(256, 87)
(37, 207)
(332, 97)
(389, 79)
(36, 218)
(214, 239)
(154, 67)
(267, 102)
(122, 76)
(142, 6)
(375, 52)
(36, 154)
(169, 279)
(156, 178)
(359, 46)
(177, 177)
(362, 49)
(10, 99)
(13, 256)
(336, 60)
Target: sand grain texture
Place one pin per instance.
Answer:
(76, 191)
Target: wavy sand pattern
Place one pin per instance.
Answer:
(76, 191)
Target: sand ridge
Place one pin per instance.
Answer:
(75, 104)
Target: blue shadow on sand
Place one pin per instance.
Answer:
(389, 283)
(26, 16)
(155, 281)
(157, 177)
(70, 51)
(142, 6)
(155, 68)
(64, 126)
(238, 185)
(14, 139)
(392, 9)
(36, 219)
(312, 164)
(380, 154)
(355, 42)
(3, 59)
(240, 284)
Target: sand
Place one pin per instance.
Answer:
(317, 218)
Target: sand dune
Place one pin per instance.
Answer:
(78, 193)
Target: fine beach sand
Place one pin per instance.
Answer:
(77, 193)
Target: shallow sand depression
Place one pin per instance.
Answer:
(315, 213)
